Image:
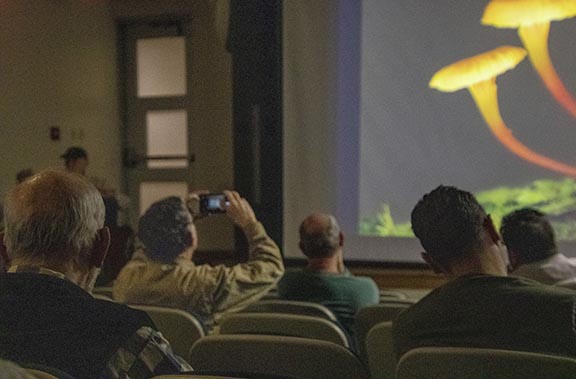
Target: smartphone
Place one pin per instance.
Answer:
(213, 203)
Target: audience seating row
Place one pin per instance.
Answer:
(303, 358)
(283, 324)
(275, 339)
(280, 317)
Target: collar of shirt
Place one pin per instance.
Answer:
(38, 270)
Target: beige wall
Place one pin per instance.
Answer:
(309, 113)
(57, 68)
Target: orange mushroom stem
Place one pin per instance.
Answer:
(532, 18)
(535, 40)
(485, 95)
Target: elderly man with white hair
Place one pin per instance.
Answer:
(56, 242)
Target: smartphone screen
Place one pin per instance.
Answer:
(213, 203)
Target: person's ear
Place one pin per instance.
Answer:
(491, 230)
(189, 238)
(100, 247)
(513, 260)
(341, 239)
(437, 267)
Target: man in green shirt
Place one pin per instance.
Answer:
(481, 306)
(325, 280)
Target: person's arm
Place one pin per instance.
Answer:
(147, 353)
(243, 283)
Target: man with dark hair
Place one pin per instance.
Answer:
(531, 244)
(325, 280)
(163, 272)
(56, 240)
(480, 306)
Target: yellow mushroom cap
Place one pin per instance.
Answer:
(516, 13)
(478, 68)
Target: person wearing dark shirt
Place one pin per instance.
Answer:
(56, 241)
(480, 306)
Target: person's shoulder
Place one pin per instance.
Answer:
(291, 276)
(512, 287)
(121, 313)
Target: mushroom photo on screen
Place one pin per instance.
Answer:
(478, 74)
(532, 19)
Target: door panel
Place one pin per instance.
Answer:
(158, 133)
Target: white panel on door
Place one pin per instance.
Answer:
(161, 66)
(167, 136)
(151, 192)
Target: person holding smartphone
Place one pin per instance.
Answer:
(163, 274)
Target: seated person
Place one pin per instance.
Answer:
(76, 161)
(481, 306)
(325, 280)
(56, 242)
(532, 249)
(163, 273)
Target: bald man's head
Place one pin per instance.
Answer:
(53, 219)
(320, 236)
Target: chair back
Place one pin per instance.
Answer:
(283, 324)
(293, 307)
(475, 363)
(39, 371)
(37, 374)
(391, 294)
(222, 375)
(180, 328)
(380, 356)
(101, 297)
(104, 291)
(369, 316)
(302, 358)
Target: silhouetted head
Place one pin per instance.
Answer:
(320, 236)
(167, 230)
(55, 220)
(23, 174)
(528, 235)
(452, 227)
(75, 160)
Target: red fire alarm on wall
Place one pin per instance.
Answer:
(55, 133)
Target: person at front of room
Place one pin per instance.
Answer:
(325, 279)
(532, 249)
(163, 274)
(76, 161)
(480, 306)
(56, 240)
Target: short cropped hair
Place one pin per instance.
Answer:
(449, 223)
(321, 239)
(53, 218)
(164, 229)
(528, 232)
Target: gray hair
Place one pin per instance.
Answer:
(319, 236)
(52, 218)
